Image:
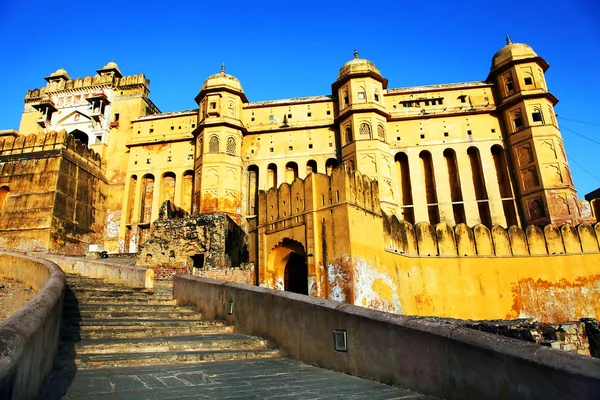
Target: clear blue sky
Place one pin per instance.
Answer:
(289, 49)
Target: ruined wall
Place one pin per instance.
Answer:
(207, 245)
(52, 193)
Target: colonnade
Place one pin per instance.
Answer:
(465, 185)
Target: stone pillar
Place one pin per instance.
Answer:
(493, 190)
(178, 188)
(417, 181)
(442, 184)
(468, 190)
(156, 199)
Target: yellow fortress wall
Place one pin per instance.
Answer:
(357, 254)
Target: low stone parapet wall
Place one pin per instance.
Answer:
(136, 277)
(430, 357)
(29, 337)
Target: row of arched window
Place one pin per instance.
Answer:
(365, 132)
(214, 145)
(477, 179)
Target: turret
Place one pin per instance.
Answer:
(545, 188)
(362, 122)
(218, 137)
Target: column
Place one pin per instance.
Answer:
(491, 185)
(442, 185)
(417, 182)
(468, 190)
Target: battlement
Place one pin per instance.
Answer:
(280, 207)
(89, 81)
(426, 240)
(49, 141)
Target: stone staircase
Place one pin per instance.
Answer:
(119, 342)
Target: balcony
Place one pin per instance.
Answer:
(114, 124)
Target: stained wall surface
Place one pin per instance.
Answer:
(52, 190)
(361, 256)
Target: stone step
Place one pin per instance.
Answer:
(109, 295)
(89, 361)
(190, 314)
(128, 307)
(107, 323)
(225, 341)
(109, 292)
(104, 300)
(132, 332)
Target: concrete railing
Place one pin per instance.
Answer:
(135, 277)
(29, 337)
(426, 356)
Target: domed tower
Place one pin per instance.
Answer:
(545, 187)
(362, 121)
(218, 138)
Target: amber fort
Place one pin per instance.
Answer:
(339, 195)
(404, 235)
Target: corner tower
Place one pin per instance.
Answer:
(218, 140)
(545, 187)
(362, 122)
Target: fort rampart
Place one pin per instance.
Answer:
(52, 189)
(29, 337)
(357, 254)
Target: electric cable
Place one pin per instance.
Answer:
(578, 121)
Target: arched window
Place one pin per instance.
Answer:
(231, 146)
(311, 167)
(365, 130)
(213, 145)
(348, 135)
(330, 164)
(380, 132)
(231, 110)
(536, 116)
(376, 95)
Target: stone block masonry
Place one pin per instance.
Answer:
(211, 245)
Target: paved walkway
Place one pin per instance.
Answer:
(122, 343)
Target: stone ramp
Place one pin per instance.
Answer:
(123, 343)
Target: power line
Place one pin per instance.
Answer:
(578, 121)
(579, 134)
(585, 170)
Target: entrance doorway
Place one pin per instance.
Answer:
(296, 274)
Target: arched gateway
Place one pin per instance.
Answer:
(288, 260)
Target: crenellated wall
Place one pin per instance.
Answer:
(426, 240)
(355, 253)
(51, 193)
(88, 81)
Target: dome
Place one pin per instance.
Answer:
(357, 65)
(111, 65)
(222, 79)
(511, 52)
(59, 73)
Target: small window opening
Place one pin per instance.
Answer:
(116, 117)
(270, 118)
(376, 97)
(328, 112)
(528, 80)
(291, 148)
(463, 98)
(147, 161)
(422, 136)
(310, 146)
(469, 132)
(213, 105)
(446, 134)
(308, 114)
(271, 149)
(536, 116)
(168, 158)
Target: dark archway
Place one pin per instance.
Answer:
(82, 136)
(296, 274)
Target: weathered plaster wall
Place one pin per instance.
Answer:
(363, 257)
(54, 193)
